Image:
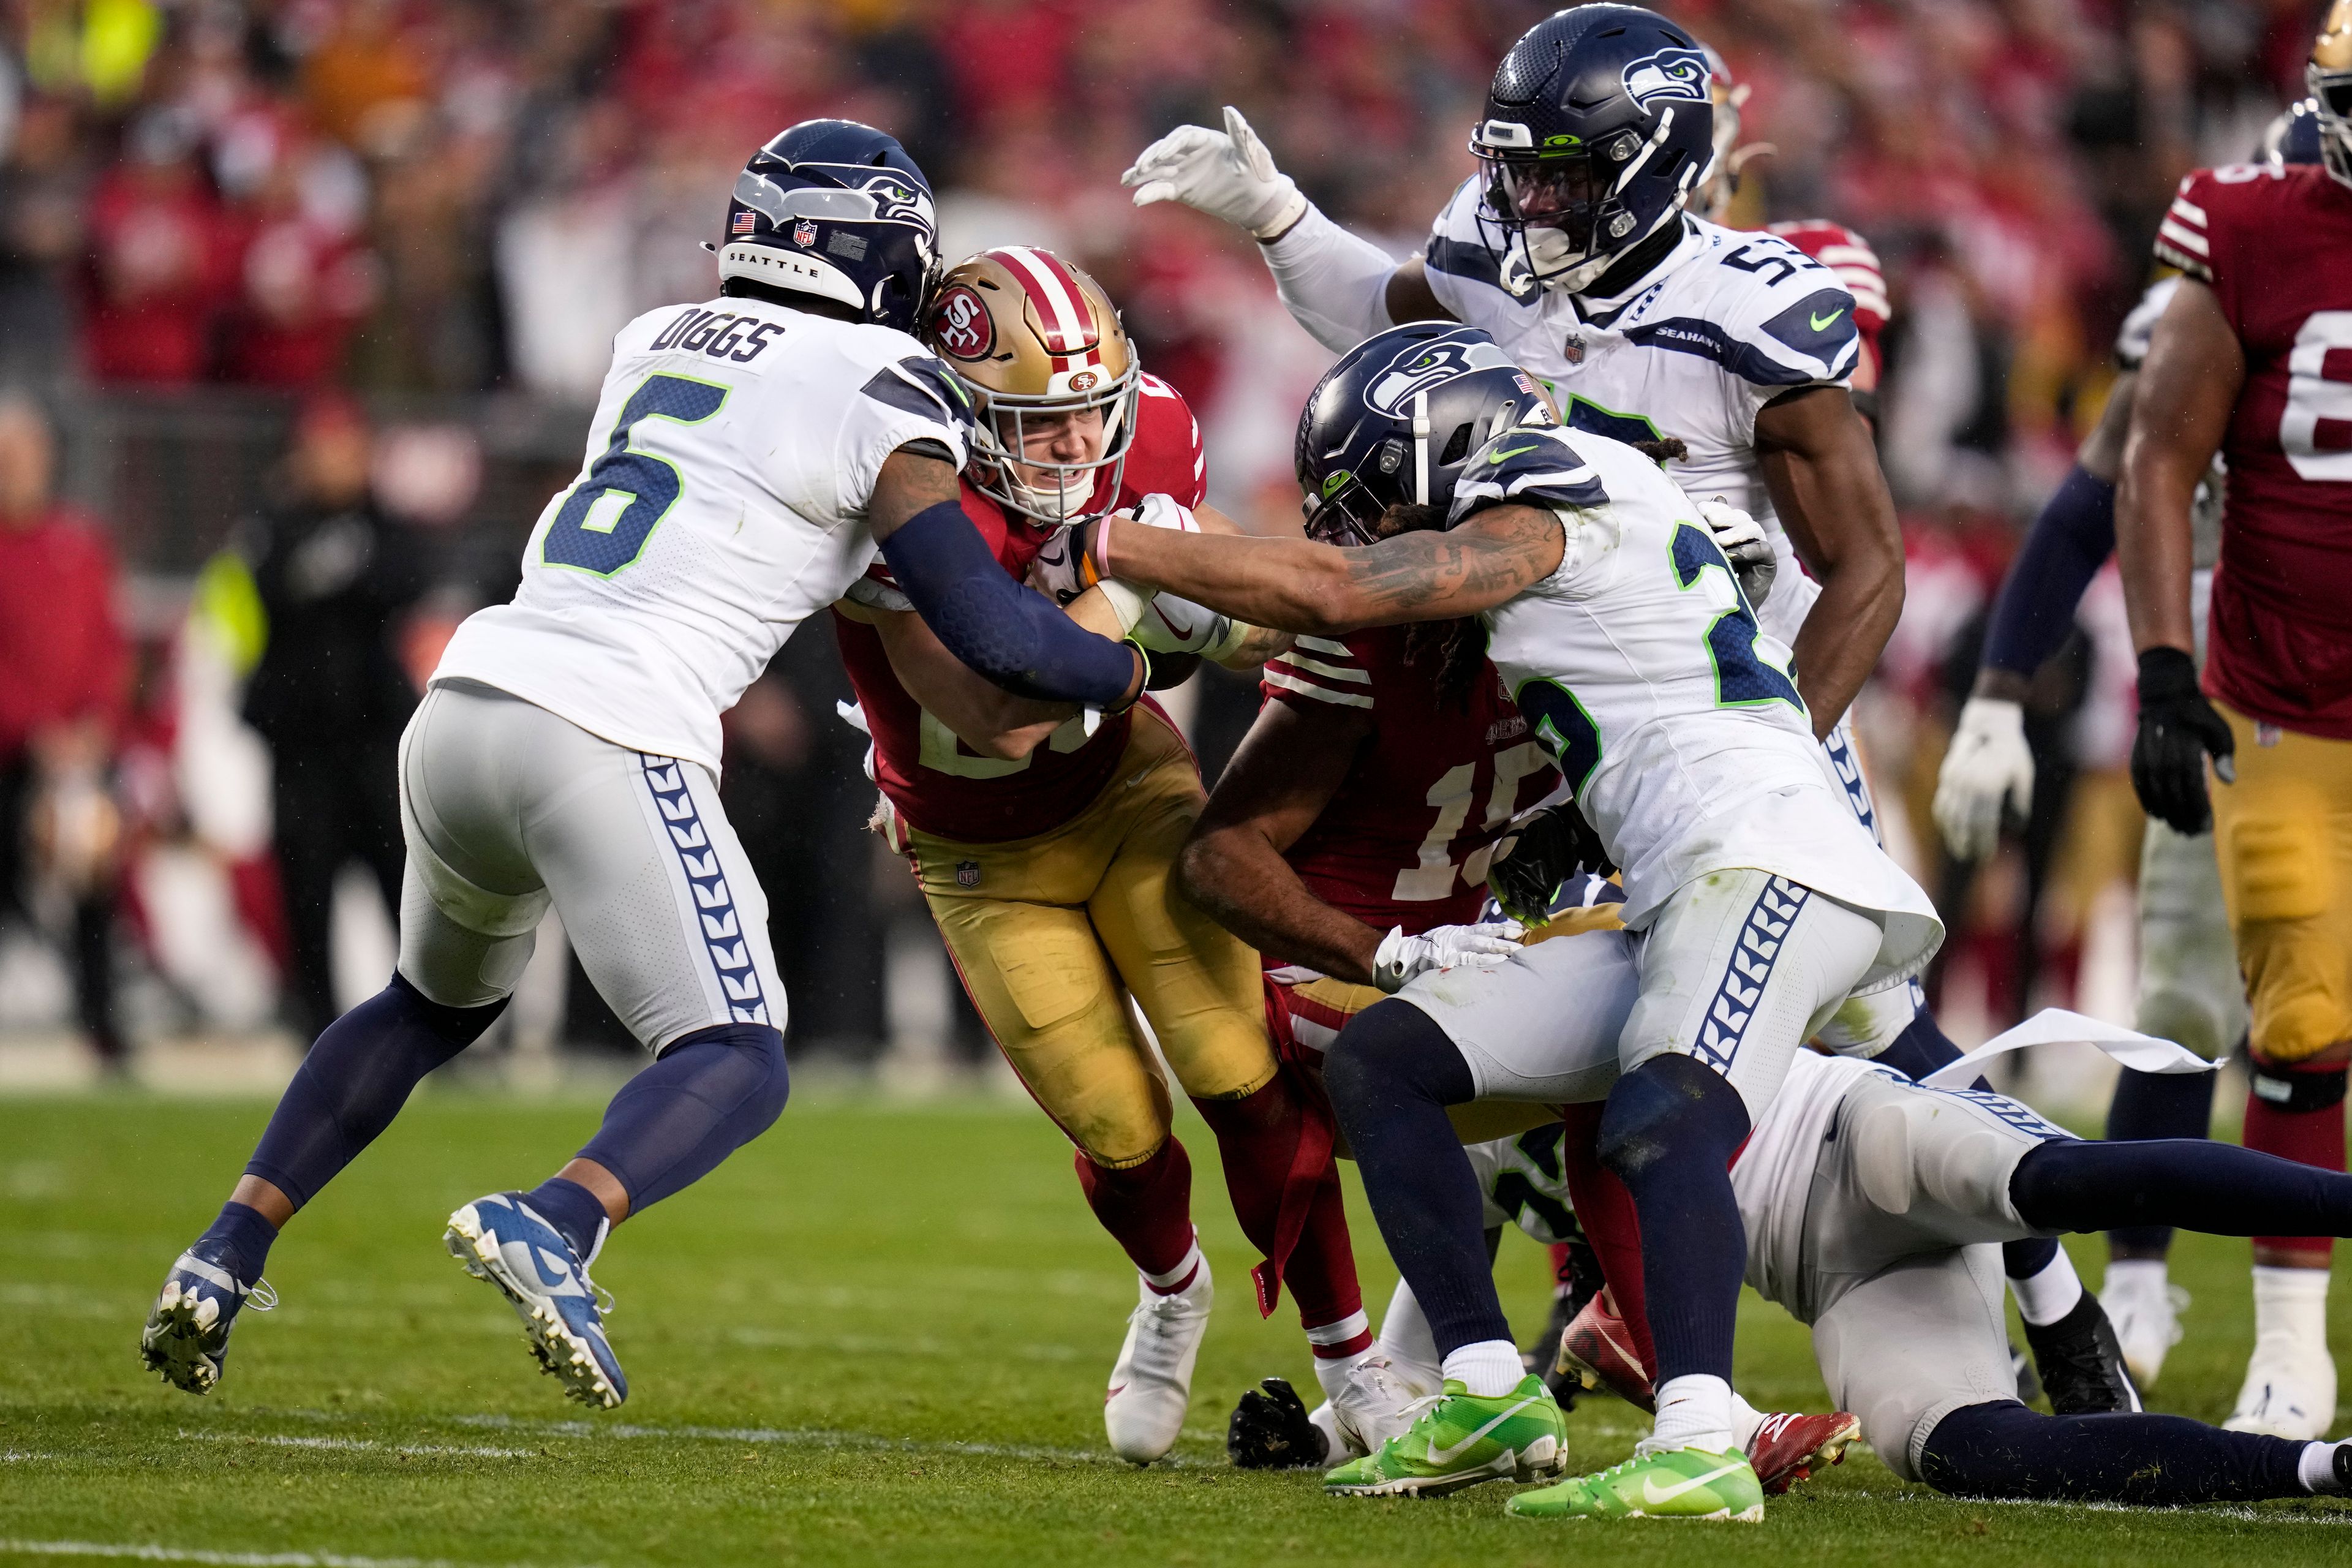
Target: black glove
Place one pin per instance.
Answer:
(2177, 728)
(1537, 854)
(1270, 1431)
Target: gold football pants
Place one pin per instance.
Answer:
(2282, 834)
(1052, 935)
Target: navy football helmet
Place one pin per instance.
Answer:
(2293, 138)
(836, 209)
(1598, 124)
(1395, 422)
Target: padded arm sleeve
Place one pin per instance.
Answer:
(1008, 633)
(2063, 551)
(1335, 283)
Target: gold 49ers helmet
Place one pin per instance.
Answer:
(2330, 77)
(1033, 338)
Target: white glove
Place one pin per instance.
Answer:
(1989, 766)
(1171, 624)
(1226, 174)
(1743, 543)
(1401, 957)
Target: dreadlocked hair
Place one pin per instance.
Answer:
(1457, 647)
(1663, 450)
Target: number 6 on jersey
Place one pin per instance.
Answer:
(605, 521)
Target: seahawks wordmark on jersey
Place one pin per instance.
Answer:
(1726, 322)
(724, 501)
(1642, 668)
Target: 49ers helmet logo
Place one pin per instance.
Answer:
(961, 324)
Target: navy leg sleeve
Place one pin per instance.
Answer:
(2005, 1451)
(2063, 551)
(1391, 1076)
(1669, 1132)
(1003, 630)
(357, 1076)
(711, 1092)
(2192, 1182)
(2157, 1105)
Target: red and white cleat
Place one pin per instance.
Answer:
(1597, 1350)
(1787, 1449)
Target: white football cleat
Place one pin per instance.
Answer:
(2290, 1392)
(1152, 1384)
(1377, 1403)
(2145, 1310)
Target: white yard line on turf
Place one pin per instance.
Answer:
(362, 1445)
(804, 1437)
(146, 1551)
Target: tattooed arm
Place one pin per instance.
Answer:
(1322, 590)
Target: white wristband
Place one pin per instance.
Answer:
(1126, 603)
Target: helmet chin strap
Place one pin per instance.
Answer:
(1420, 448)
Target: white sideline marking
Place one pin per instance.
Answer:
(802, 1437)
(362, 1445)
(19, 1456)
(146, 1551)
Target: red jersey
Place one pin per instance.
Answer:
(60, 643)
(1849, 255)
(2274, 245)
(1404, 841)
(936, 783)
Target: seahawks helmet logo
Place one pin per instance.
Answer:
(1676, 74)
(1425, 366)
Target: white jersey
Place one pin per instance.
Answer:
(722, 502)
(1640, 665)
(1728, 321)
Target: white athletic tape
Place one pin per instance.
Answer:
(2057, 1027)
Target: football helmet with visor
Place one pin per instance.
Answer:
(1599, 125)
(1396, 420)
(1053, 377)
(836, 209)
(2329, 79)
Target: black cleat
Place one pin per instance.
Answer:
(2081, 1362)
(1270, 1431)
(1542, 1357)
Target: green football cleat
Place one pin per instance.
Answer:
(1675, 1483)
(1461, 1439)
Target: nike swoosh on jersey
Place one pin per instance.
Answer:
(1510, 452)
(1822, 322)
(1653, 1494)
(1438, 1456)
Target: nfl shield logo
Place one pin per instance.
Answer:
(1574, 349)
(805, 232)
(967, 873)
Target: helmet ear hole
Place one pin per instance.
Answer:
(1457, 447)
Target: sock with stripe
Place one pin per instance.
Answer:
(1146, 1208)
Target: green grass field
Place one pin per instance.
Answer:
(877, 1336)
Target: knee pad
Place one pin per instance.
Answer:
(766, 1080)
(1667, 1101)
(1393, 1047)
(2296, 1027)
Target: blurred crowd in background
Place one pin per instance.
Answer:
(303, 304)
